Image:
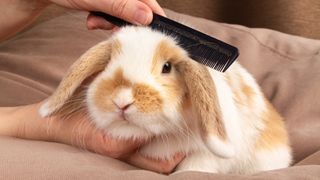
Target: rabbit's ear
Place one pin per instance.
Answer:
(94, 60)
(202, 93)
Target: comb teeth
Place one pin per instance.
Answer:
(210, 55)
(201, 47)
(205, 55)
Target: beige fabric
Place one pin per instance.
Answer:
(298, 17)
(33, 62)
(32, 160)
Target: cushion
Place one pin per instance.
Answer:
(33, 62)
(293, 17)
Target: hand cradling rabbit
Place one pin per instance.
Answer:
(147, 86)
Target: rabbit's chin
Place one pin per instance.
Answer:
(133, 127)
(122, 129)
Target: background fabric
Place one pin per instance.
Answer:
(297, 17)
(33, 62)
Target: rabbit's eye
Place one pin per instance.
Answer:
(166, 67)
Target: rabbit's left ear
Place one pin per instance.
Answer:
(94, 60)
(202, 93)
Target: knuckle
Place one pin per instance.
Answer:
(113, 153)
(118, 7)
(116, 148)
(166, 167)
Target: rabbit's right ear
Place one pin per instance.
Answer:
(204, 99)
(94, 60)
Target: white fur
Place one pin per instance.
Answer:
(44, 110)
(222, 149)
(175, 132)
(280, 158)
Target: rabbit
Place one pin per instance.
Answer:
(146, 86)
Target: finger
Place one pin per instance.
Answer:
(79, 131)
(161, 166)
(96, 22)
(115, 29)
(154, 5)
(115, 148)
(133, 11)
(100, 143)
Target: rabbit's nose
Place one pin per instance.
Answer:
(123, 99)
(124, 107)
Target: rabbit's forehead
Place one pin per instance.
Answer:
(135, 50)
(139, 43)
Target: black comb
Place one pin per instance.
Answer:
(201, 47)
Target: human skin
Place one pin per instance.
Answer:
(18, 14)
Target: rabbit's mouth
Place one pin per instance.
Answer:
(123, 115)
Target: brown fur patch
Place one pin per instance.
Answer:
(243, 94)
(146, 98)
(248, 92)
(107, 89)
(203, 96)
(119, 80)
(115, 48)
(166, 51)
(93, 61)
(274, 133)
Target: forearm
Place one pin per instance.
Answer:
(8, 124)
(17, 14)
(23, 122)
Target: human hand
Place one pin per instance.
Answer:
(24, 122)
(18, 14)
(135, 11)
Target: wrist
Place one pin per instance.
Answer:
(8, 124)
(31, 124)
(25, 122)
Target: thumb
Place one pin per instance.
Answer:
(133, 11)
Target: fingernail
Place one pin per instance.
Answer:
(141, 17)
(92, 28)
